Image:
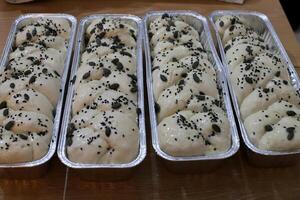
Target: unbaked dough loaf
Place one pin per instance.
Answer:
(191, 118)
(104, 127)
(269, 104)
(30, 88)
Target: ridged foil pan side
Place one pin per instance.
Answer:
(67, 114)
(59, 108)
(262, 25)
(200, 24)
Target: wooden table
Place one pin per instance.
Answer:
(235, 179)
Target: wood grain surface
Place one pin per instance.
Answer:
(234, 179)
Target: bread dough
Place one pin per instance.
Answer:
(30, 89)
(269, 104)
(186, 91)
(104, 107)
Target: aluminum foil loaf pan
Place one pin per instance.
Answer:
(37, 168)
(201, 162)
(261, 24)
(103, 171)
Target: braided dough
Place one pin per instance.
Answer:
(30, 88)
(190, 114)
(269, 104)
(104, 128)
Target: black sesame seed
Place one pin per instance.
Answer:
(285, 82)
(183, 75)
(36, 62)
(291, 133)
(3, 104)
(163, 78)
(86, 75)
(26, 97)
(248, 66)
(116, 105)
(248, 80)
(92, 63)
(195, 64)
(28, 36)
(277, 74)
(181, 82)
(227, 47)
(23, 137)
(12, 85)
(114, 86)
(100, 26)
(32, 79)
(9, 125)
(291, 113)
(216, 128)
(27, 72)
(124, 53)
(117, 63)
(221, 24)
(176, 34)
(266, 90)
(107, 131)
(268, 128)
(45, 70)
(196, 78)
(5, 112)
(121, 26)
(201, 97)
(106, 72)
(133, 89)
(34, 32)
(174, 60)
